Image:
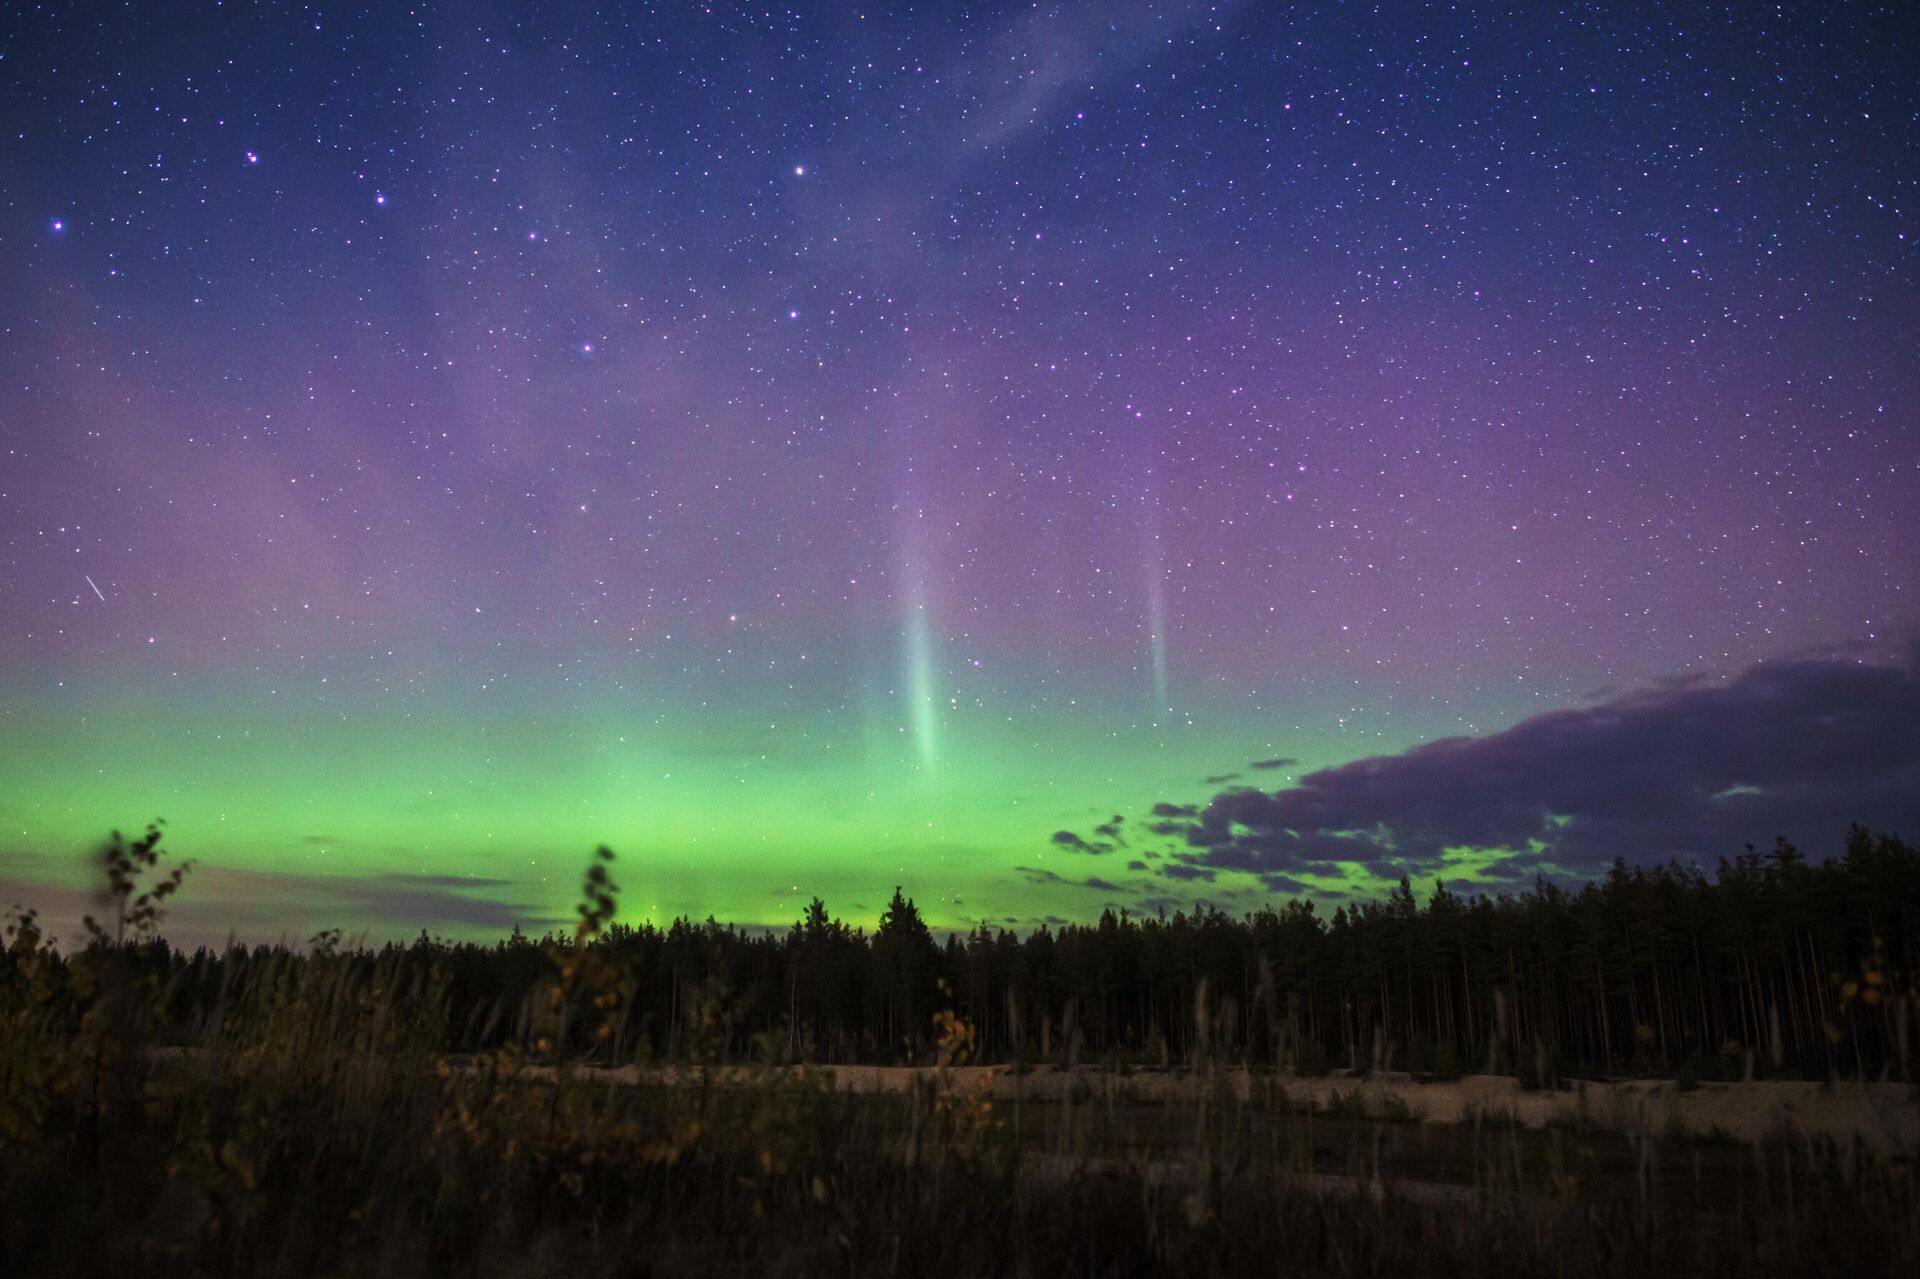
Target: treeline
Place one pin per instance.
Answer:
(1771, 966)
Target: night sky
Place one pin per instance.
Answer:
(1046, 457)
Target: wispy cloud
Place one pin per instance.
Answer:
(218, 902)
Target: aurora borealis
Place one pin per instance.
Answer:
(815, 451)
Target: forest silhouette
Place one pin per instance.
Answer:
(1772, 966)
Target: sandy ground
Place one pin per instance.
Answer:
(1884, 1116)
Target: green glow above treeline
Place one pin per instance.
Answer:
(743, 813)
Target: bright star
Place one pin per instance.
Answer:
(58, 226)
(799, 170)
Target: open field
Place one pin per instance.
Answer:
(1884, 1116)
(277, 1159)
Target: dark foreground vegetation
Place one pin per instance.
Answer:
(426, 1109)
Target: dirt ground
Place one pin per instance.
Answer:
(1884, 1116)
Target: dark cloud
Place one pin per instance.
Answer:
(1187, 870)
(220, 902)
(425, 906)
(1284, 761)
(1219, 779)
(1521, 868)
(1172, 819)
(1110, 829)
(1041, 875)
(1689, 769)
(443, 881)
(1069, 840)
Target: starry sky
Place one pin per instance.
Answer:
(1047, 456)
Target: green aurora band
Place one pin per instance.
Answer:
(740, 812)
